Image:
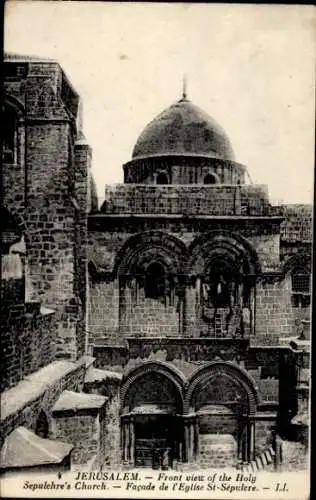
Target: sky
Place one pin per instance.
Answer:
(251, 67)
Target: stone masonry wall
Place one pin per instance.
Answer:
(273, 312)
(263, 436)
(27, 342)
(103, 313)
(218, 424)
(28, 415)
(186, 199)
(51, 228)
(83, 431)
(82, 165)
(104, 245)
(217, 451)
(110, 439)
(104, 293)
(40, 189)
(151, 318)
(297, 226)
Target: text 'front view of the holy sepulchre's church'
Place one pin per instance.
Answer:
(167, 326)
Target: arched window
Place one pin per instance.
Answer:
(9, 141)
(210, 179)
(155, 281)
(162, 178)
(42, 425)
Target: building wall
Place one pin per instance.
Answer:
(41, 188)
(103, 315)
(273, 311)
(27, 415)
(84, 431)
(27, 342)
(144, 316)
(186, 199)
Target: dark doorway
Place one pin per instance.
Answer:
(42, 427)
(157, 439)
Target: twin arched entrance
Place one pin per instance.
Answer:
(207, 418)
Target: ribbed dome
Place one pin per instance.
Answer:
(183, 128)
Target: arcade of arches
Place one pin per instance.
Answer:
(167, 419)
(207, 289)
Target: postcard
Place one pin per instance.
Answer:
(157, 250)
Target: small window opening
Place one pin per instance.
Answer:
(42, 425)
(301, 285)
(162, 178)
(210, 179)
(155, 281)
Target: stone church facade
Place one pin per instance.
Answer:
(168, 328)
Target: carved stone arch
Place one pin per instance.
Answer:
(171, 373)
(227, 244)
(228, 369)
(299, 260)
(155, 254)
(15, 103)
(171, 249)
(14, 224)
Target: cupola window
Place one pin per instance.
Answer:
(210, 179)
(162, 178)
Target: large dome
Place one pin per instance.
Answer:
(183, 128)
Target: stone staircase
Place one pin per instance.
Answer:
(263, 460)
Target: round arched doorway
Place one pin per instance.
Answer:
(151, 423)
(223, 399)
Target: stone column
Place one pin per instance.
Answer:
(191, 441)
(131, 442)
(189, 313)
(186, 442)
(245, 443)
(251, 440)
(125, 441)
(197, 439)
(252, 308)
(181, 299)
(239, 444)
(122, 305)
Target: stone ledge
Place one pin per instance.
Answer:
(45, 311)
(98, 375)
(23, 448)
(88, 361)
(33, 386)
(74, 402)
(266, 415)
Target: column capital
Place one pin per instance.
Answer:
(189, 418)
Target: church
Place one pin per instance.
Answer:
(166, 326)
